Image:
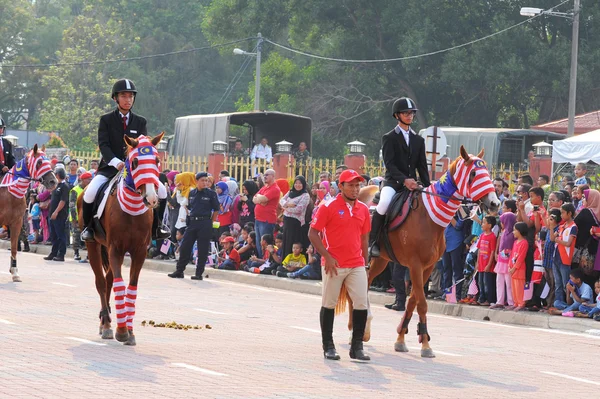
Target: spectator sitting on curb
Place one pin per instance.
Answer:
(229, 258)
(248, 250)
(590, 309)
(312, 271)
(267, 264)
(293, 262)
(578, 294)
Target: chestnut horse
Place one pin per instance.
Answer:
(128, 227)
(34, 167)
(419, 242)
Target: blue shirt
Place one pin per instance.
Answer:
(72, 179)
(585, 293)
(454, 235)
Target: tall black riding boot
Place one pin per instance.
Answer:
(359, 321)
(158, 233)
(376, 225)
(87, 212)
(327, 316)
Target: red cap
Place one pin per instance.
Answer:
(85, 175)
(228, 239)
(54, 161)
(348, 175)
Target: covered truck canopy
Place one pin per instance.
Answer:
(194, 134)
(581, 148)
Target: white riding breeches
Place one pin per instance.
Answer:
(385, 198)
(92, 189)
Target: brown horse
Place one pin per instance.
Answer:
(127, 221)
(419, 242)
(34, 167)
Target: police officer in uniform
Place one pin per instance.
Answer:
(113, 126)
(7, 159)
(403, 155)
(203, 211)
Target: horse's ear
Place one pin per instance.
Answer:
(464, 154)
(481, 153)
(157, 139)
(35, 149)
(130, 141)
(43, 147)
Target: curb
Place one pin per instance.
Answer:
(529, 319)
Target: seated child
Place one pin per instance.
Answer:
(229, 258)
(242, 239)
(588, 307)
(579, 293)
(179, 236)
(248, 250)
(264, 265)
(35, 214)
(293, 262)
(312, 271)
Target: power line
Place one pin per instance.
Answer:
(144, 57)
(411, 57)
(233, 83)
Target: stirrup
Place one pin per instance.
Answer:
(87, 235)
(160, 234)
(374, 251)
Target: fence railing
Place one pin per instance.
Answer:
(243, 168)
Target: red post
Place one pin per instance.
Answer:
(356, 162)
(540, 166)
(282, 164)
(216, 162)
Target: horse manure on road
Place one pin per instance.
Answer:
(176, 326)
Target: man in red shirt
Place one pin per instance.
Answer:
(340, 233)
(265, 212)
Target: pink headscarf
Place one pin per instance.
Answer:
(171, 176)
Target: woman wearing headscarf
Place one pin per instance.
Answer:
(171, 178)
(294, 205)
(184, 183)
(234, 193)
(245, 205)
(172, 204)
(586, 219)
(225, 218)
(323, 193)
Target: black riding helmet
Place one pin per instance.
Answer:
(403, 104)
(123, 85)
(2, 123)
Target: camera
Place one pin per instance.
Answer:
(536, 208)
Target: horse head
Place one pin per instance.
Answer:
(473, 179)
(40, 167)
(142, 167)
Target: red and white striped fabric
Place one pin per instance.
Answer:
(37, 166)
(130, 298)
(457, 186)
(119, 290)
(130, 202)
(17, 187)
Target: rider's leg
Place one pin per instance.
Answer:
(386, 196)
(88, 206)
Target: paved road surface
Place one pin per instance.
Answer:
(264, 343)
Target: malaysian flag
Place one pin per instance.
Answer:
(528, 293)
(473, 290)
(451, 294)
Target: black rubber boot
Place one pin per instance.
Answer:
(76, 255)
(376, 225)
(359, 321)
(87, 212)
(327, 316)
(158, 233)
(26, 246)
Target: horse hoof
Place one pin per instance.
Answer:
(107, 334)
(400, 347)
(427, 353)
(16, 279)
(130, 341)
(122, 337)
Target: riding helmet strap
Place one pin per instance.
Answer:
(422, 330)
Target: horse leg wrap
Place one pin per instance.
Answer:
(105, 316)
(119, 289)
(13, 262)
(405, 324)
(130, 305)
(422, 330)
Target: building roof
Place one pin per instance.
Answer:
(584, 123)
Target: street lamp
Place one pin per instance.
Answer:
(573, 16)
(238, 51)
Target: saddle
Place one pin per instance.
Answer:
(106, 190)
(398, 211)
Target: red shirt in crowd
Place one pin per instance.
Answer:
(268, 213)
(341, 227)
(233, 255)
(487, 246)
(517, 259)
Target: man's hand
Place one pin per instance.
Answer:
(120, 166)
(521, 204)
(411, 184)
(5, 169)
(331, 266)
(54, 216)
(488, 268)
(270, 248)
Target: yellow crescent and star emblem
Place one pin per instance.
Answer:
(146, 150)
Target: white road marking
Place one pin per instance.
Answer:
(306, 329)
(6, 322)
(209, 311)
(593, 332)
(568, 377)
(201, 370)
(561, 332)
(416, 348)
(65, 285)
(4, 273)
(85, 341)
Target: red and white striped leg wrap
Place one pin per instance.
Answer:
(119, 289)
(130, 305)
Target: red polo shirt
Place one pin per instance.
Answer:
(268, 213)
(342, 228)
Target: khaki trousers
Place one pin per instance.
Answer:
(355, 279)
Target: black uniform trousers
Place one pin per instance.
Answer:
(398, 279)
(199, 231)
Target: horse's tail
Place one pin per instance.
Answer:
(342, 300)
(104, 255)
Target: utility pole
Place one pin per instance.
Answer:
(573, 79)
(257, 83)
